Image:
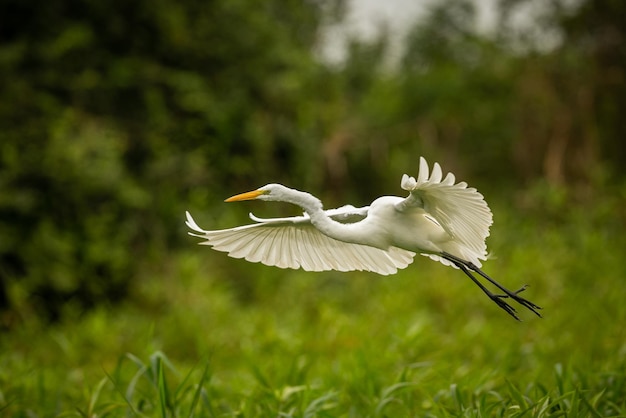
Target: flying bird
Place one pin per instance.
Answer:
(440, 219)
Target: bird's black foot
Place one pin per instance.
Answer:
(524, 302)
(467, 267)
(498, 299)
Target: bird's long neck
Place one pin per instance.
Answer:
(326, 225)
(309, 203)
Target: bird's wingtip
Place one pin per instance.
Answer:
(254, 217)
(191, 223)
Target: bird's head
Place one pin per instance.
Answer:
(271, 191)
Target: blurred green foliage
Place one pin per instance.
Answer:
(117, 116)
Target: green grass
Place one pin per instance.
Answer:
(208, 336)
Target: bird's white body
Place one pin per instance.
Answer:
(412, 229)
(385, 227)
(440, 219)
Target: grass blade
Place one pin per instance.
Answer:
(161, 384)
(196, 395)
(94, 398)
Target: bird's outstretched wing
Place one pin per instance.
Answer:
(344, 214)
(295, 243)
(459, 209)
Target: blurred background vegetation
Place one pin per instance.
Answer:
(117, 116)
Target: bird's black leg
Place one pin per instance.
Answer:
(496, 298)
(507, 293)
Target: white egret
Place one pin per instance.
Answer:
(440, 219)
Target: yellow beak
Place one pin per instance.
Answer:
(245, 196)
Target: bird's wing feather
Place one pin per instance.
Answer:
(461, 210)
(296, 243)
